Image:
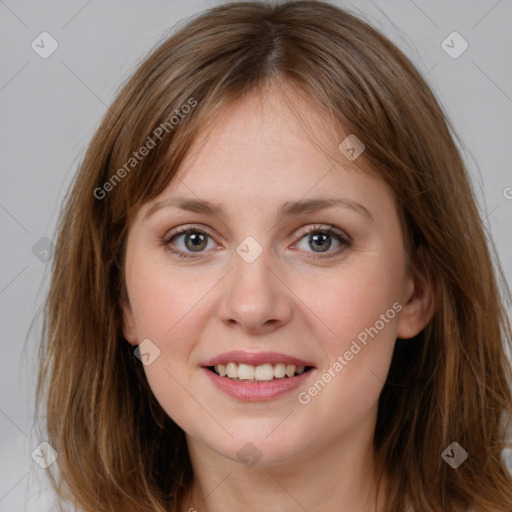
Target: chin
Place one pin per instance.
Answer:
(262, 449)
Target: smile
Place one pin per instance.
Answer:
(262, 373)
(257, 376)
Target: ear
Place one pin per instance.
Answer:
(419, 305)
(129, 329)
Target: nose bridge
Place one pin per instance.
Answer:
(254, 297)
(252, 266)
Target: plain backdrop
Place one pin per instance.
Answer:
(50, 107)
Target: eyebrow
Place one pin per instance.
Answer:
(288, 209)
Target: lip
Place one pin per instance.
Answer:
(256, 391)
(255, 359)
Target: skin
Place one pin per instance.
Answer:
(258, 155)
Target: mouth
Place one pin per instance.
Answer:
(254, 377)
(266, 372)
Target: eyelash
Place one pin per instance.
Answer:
(345, 241)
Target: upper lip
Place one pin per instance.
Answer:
(255, 358)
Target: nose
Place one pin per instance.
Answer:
(255, 298)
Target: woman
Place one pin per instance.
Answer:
(272, 289)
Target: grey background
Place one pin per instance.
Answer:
(50, 107)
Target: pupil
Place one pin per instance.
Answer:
(320, 239)
(197, 239)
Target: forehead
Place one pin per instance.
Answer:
(272, 128)
(275, 139)
(271, 147)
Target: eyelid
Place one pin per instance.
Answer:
(341, 236)
(344, 239)
(186, 228)
(330, 228)
(301, 232)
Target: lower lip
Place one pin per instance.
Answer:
(256, 391)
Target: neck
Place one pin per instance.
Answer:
(339, 477)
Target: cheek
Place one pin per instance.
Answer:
(162, 299)
(356, 313)
(353, 299)
(166, 307)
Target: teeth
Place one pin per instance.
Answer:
(290, 370)
(232, 370)
(246, 371)
(279, 370)
(263, 372)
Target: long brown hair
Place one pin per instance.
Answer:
(118, 449)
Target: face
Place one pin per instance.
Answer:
(266, 253)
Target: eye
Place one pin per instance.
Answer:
(188, 240)
(321, 240)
